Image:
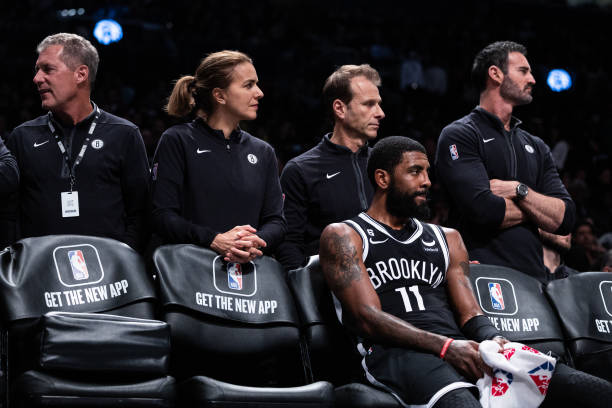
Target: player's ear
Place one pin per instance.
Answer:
(382, 178)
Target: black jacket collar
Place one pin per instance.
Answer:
(339, 149)
(235, 136)
(514, 121)
(85, 122)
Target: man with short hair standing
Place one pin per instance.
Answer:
(84, 171)
(328, 183)
(502, 181)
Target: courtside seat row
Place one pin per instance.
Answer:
(79, 313)
(231, 335)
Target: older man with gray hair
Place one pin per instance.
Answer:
(84, 170)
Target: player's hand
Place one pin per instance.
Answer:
(464, 357)
(501, 341)
(503, 188)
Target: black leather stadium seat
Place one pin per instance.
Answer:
(332, 354)
(235, 334)
(73, 356)
(518, 307)
(584, 304)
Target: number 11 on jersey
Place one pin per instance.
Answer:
(415, 291)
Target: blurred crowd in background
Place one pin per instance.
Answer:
(423, 51)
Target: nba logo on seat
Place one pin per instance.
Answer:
(78, 265)
(497, 298)
(234, 276)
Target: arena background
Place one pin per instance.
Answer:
(423, 50)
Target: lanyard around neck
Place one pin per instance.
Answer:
(72, 167)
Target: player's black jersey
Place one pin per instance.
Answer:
(407, 268)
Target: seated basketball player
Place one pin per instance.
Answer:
(416, 329)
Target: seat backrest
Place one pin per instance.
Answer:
(517, 306)
(584, 305)
(68, 273)
(232, 322)
(333, 355)
(71, 273)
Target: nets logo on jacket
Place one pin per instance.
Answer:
(496, 296)
(78, 265)
(605, 288)
(234, 278)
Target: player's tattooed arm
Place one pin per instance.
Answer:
(341, 260)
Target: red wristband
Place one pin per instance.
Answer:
(445, 347)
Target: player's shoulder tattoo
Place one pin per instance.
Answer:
(339, 259)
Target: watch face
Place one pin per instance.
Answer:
(521, 190)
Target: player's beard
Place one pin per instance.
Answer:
(403, 205)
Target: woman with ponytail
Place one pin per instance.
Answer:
(213, 184)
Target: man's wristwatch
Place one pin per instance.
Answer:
(521, 191)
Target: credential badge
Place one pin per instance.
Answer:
(97, 143)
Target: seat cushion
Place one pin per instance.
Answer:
(37, 389)
(260, 356)
(102, 343)
(364, 396)
(206, 391)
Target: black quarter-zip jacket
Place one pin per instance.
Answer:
(111, 180)
(326, 184)
(475, 149)
(204, 184)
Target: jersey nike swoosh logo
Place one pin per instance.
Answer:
(40, 144)
(332, 175)
(202, 151)
(378, 242)
(488, 140)
(429, 244)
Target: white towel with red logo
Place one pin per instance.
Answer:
(521, 376)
